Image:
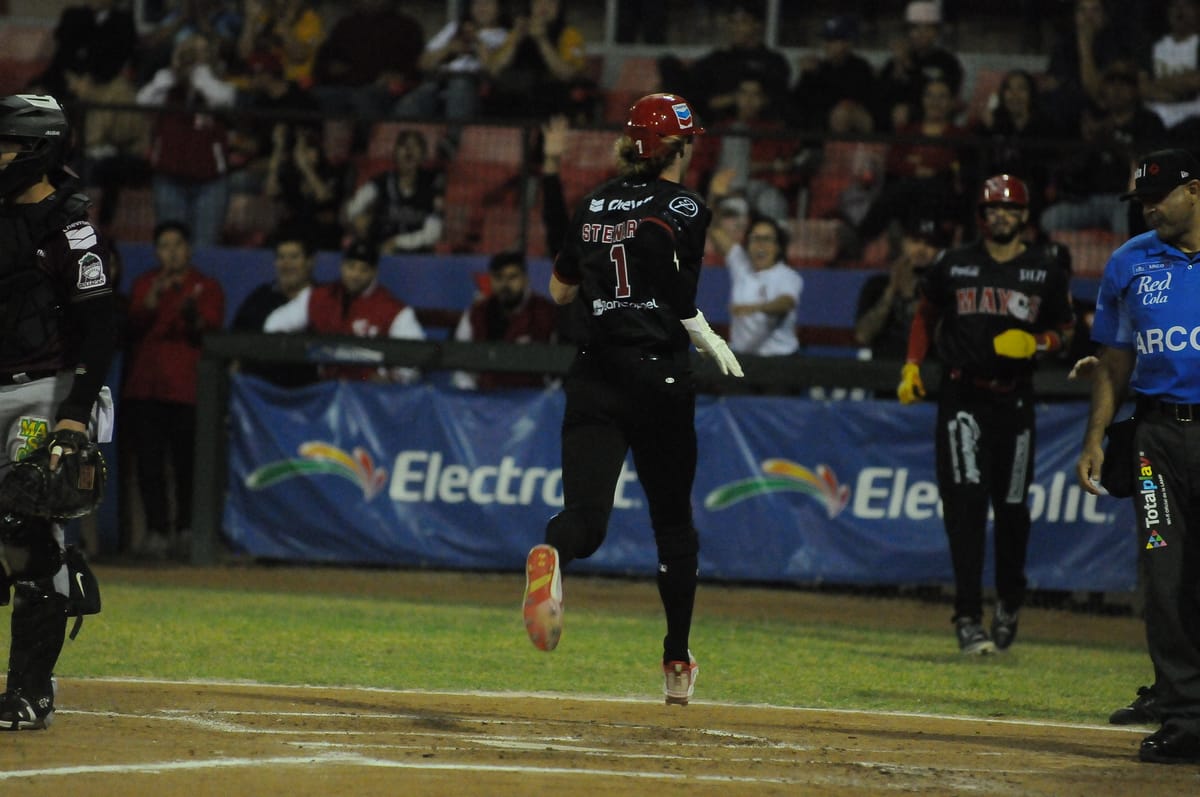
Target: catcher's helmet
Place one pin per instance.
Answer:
(38, 123)
(656, 117)
(1004, 189)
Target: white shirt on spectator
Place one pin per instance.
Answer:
(761, 333)
(491, 38)
(1170, 58)
(216, 92)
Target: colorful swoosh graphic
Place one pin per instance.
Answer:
(782, 475)
(317, 457)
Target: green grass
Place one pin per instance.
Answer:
(204, 633)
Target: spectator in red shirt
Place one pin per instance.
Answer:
(923, 177)
(170, 309)
(354, 305)
(512, 313)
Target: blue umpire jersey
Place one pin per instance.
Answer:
(1148, 303)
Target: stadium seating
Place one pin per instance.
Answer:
(637, 77)
(587, 162)
(25, 51)
(1090, 249)
(482, 180)
(843, 163)
(814, 242)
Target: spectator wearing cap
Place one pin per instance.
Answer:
(356, 304)
(840, 77)
(1087, 186)
(916, 59)
(888, 301)
(509, 312)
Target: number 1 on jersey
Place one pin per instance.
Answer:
(616, 253)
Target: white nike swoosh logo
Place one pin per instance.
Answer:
(79, 582)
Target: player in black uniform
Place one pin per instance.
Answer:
(632, 258)
(991, 307)
(57, 331)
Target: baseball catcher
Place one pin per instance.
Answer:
(56, 342)
(62, 479)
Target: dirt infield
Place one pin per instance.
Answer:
(168, 739)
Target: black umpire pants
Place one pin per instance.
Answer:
(621, 399)
(1166, 501)
(985, 445)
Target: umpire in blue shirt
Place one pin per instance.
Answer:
(1148, 316)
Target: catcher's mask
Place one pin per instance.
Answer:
(657, 117)
(38, 124)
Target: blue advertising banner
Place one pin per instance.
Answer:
(787, 489)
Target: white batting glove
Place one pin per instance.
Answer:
(711, 344)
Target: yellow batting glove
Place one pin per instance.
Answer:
(1015, 343)
(911, 388)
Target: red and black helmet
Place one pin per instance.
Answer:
(1003, 189)
(659, 116)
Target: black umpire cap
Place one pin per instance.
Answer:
(1161, 172)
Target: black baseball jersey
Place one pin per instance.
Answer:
(974, 299)
(54, 260)
(56, 297)
(634, 249)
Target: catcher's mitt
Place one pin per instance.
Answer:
(71, 490)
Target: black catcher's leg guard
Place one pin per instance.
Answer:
(39, 627)
(39, 620)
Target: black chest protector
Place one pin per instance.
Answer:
(30, 306)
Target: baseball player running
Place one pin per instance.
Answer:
(991, 307)
(632, 257)
(56, 340)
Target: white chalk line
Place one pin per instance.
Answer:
(350, 754)
(632, 701)
(355, 759)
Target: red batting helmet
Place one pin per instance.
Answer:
(1004, 189)
(659, 116)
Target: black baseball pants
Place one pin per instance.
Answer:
(985, 444)
(1166, 503)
